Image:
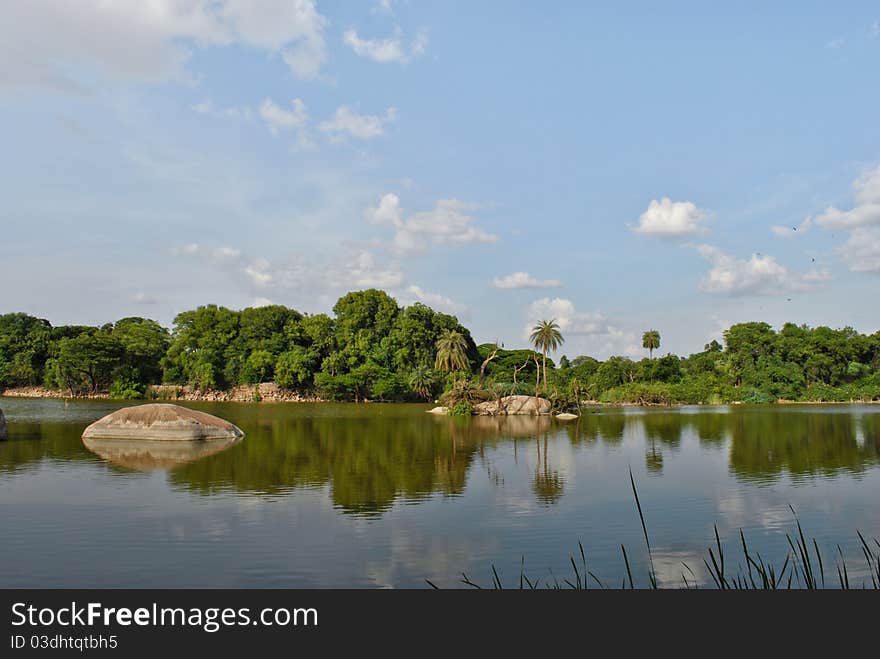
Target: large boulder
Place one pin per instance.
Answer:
(2, 426)
(161, 422)
(510, 405)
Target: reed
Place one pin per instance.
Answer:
(802, 567)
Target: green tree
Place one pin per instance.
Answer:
(546, 336)
(651, 342)
(295, 368)
(422, 381)
(451, 352)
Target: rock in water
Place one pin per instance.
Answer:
(162, 422)
(514, 405)
(2, 426)
(566, 416)
(438, 410)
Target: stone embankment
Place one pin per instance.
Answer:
(268, 392)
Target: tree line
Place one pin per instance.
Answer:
(372, 348)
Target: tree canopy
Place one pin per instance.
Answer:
(372, 348)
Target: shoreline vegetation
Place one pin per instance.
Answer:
(372, 350)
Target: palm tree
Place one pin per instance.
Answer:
(421, 380)
(651, 341)
(546, 336)
(451, 352)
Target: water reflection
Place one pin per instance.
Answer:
(149, 454)
(369, 457)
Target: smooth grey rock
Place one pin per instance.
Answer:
(161, 422)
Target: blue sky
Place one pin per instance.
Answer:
(619, 167)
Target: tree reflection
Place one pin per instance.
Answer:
(546, 482)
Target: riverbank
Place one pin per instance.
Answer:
(267, 392)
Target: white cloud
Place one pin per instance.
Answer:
(348, 123)
(447, 224)
(759, 275)
(584, 332)
(391, 49)
(875, 30)
(225, 253)
(262, 302)
(307, 276)
(866, 192)
(667, 218)
(836, 44)
(861, 252)
(278, 119)
(383, 7)
(524, 280)
(434, 300)
(259, 273)
(206, 107)
(792, 232)
(56, 43)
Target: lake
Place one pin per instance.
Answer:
(385, 495)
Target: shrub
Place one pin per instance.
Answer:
(126, 389)
(462, 408)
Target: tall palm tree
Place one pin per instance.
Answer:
(451, 352)
(546, 336)
(651, 341)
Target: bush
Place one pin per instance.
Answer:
(462, 408)
(126, 389)
(757, 397)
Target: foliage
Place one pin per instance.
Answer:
(461, 408)
(546, 337)
(651, 341)
(372, 349)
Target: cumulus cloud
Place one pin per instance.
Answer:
(667, 219)
(448, 223)
(861, 252)
(865, 212)
(588, 332)
(278, 119)
(792, 232)
(759, 275)
(436, 301)
(391, 49)
(148, 41)
(304, 277)
(348, 123)
(524, 280)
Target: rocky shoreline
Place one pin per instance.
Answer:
(267, 392)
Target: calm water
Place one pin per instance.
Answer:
(387, 496)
